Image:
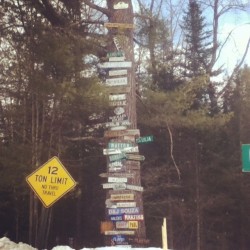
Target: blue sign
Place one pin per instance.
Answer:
(116, 218)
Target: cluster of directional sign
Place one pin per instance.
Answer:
(124, 208)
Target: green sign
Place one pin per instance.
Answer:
(245, 148)
(145, 139)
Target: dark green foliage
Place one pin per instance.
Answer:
(198, 47)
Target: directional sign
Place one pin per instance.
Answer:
(121, 133)
(126, 175)
(126, 204)
(116, 217)
(120, 232)
(120, 6)
(117, 179)
(245, 148)
(117, 59)
(117, 81)
(129, 210)
(135, 188)
(115, 54)
(135, 157)
(120, 25)
(122, 197)
(145, 139)
(116, 65)
(118, 97)
(51, 181)
(118, 103)
(119, 145)
(133, 217)
(120, 72)
(133, 224)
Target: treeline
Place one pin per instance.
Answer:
(52, 102)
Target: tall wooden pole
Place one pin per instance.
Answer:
(128, 225)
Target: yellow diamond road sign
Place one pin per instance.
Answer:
(51, 181)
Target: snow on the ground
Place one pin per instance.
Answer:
(7, 244)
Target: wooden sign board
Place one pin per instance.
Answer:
(135, 157)
(115, 65)
(117, 169)
(118, 128)
(119, 25)
(120, 72)
(119, 89)
(117, 59)
(122, 197)
(111, 134)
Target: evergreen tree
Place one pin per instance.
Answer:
(198, 50)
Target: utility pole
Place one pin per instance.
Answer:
(125, 223)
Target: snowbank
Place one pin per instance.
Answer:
(6, 244)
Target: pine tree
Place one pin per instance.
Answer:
(198, 49)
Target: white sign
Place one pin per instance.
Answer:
(115, 65)
(117, 81)
(111, 151)
(118, 118)
(118, 103)
(119, 110)
(121, 224)
(118, 128)
(115, 186)
(133, 217)
(118, 97)
(118, 72)
(135, 188)
(117, 179)
(126, 204)
(127, 210)
(120, 6)
(120, 123)
(115, 164)
(119, 232)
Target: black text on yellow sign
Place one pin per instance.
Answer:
(51, 181)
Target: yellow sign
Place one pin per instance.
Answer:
(51, 181)
(133, 224)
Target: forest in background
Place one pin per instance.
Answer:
(53, 103)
